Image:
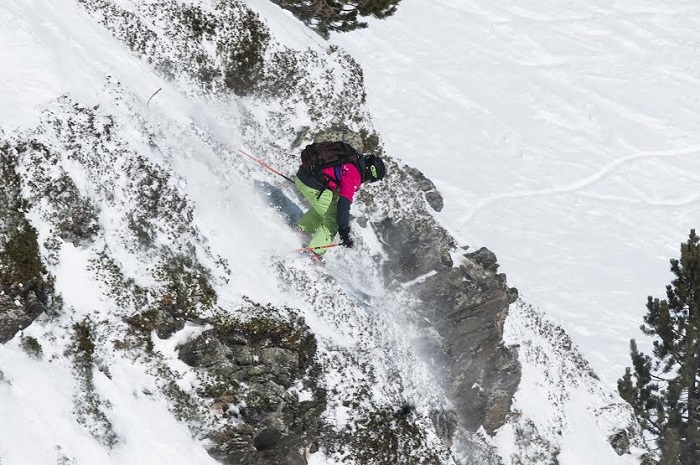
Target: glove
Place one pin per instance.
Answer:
(345, 238)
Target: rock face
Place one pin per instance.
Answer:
(19, 307)
(466, 305)
(254, 368)
(426, 186)
(25, 287)
(621, 442)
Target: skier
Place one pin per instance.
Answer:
(329, 176)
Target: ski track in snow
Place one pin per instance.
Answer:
(593, 179)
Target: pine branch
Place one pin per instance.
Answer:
(652, 427)
(659, 378)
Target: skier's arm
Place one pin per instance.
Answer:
(343, 219)
(349, 184)
(343, 214)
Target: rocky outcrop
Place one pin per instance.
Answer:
(426, 186)
(261, 376)
(19, 307)
(466, 304)
(25, 285)
(620, 441)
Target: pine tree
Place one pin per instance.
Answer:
(338, 15)
(377, 8)
(664, 389)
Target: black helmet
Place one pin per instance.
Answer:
(374, 169)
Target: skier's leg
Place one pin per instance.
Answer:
(310, 221)
(320, 219)
(329, 227)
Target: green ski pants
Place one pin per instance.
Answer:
(320, 220)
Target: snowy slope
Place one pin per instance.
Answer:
(43, 59)
(56, 49)
(564, 137)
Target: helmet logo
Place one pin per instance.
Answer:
(373, 171)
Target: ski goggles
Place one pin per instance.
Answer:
(373, 172)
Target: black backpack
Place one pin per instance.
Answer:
(316, 157)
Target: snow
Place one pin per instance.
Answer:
(48, 50)
(39, 427)
(80, 290)
(562, 136)
(45, 56)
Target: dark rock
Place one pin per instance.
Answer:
(503, 382)
(169, 321)
(74, 216)
(405, 410)
(290, 451)
(467, 306)
(284, 363)
(434, 199)
(620, 442)
(446, 423)
(255, 362)
(425, 185)
(18, 309)
(267, 439)
(485, 258)
(414, 248)
(276, 449)
(205, 351)
(165, 319)
(467, 309)
(243, 355)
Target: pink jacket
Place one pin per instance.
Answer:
(350, 180)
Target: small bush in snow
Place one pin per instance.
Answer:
(89, 408)
(31, 346)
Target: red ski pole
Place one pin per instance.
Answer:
(311, 249)
(265, 165)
